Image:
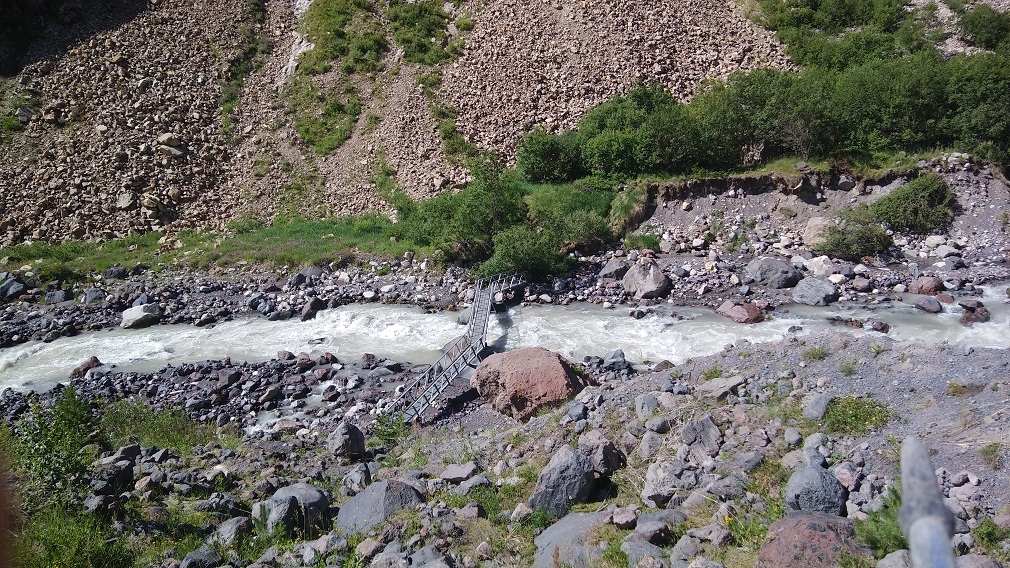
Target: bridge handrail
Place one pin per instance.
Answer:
(467, 346)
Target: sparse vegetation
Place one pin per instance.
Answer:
(815, 354)
(991, 454)
(713, 372)
(324, 120)
(859, 235)
(993, 539)
(856, 416)
(133, 422)
(880, 531)
(848, 368)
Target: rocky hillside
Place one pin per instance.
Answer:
(114, 120)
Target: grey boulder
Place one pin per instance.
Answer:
(773, 273)
(814, 292)
(815, 489)
(205, 557)
(141, 316)
(375, 504)
(563, 543)
(346, 441)
(645, 280)
(567, 479)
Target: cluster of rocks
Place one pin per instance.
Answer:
(136, 145)
(572, 57)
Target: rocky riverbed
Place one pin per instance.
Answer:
(667, 465)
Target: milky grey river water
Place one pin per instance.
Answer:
(407, 333)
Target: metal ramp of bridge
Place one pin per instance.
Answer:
(462, 355)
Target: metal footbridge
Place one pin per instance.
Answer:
(462, 354)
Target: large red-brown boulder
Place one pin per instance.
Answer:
(519, 382)
(740, 312)
(809, 539)
(928, 285)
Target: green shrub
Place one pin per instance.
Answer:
(921, 206)
(457, 147)
(992, 538)
(991, 454)
(527, 249)
(988, 28)
(646, 241)
(48, 446)
(859, 235)
(815, 354)
(856, 416)
(880, 531)
(546, 158)
(419, 28)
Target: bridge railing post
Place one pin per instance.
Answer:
(925, 520)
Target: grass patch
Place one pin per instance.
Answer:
(991, 454)
(856, 416)
(992, 538)
(815, 354)
(955, 388)
(133, 422)
(420, 29)
(57, 537)
(330, 25)
(849, 368)
(713, 372)
(640, 242)
(880, 531)
(324, 120)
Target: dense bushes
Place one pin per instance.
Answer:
(923, 205)
(507, 224)
(987, 27)
(861, 113)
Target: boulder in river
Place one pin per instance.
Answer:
(141, 316)
(645, 280)
(929, 304)
(814, 292)
(974, 312)
(519, 382)
(928, 285)
(740, 312)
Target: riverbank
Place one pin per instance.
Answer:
(839, 399)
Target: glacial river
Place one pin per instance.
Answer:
(406, 333)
